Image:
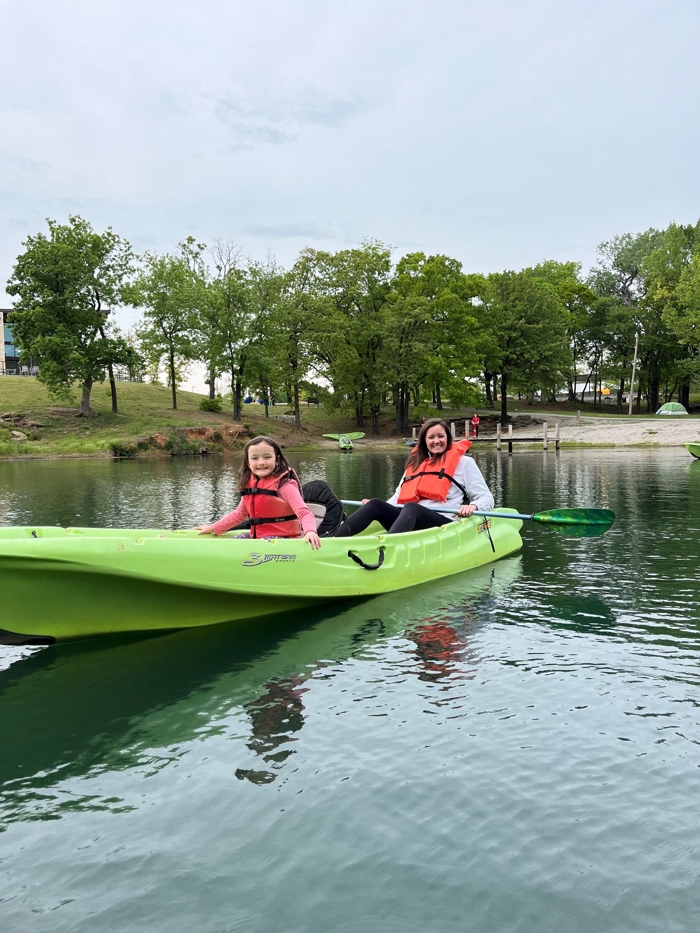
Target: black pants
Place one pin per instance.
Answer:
(411, 517)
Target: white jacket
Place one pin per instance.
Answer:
(469, 475)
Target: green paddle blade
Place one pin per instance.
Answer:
(333, 437)
(577, 523)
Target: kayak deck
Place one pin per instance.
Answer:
(694, 449)
(62, 583)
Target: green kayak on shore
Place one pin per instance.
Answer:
(694, 449)
(63, 583)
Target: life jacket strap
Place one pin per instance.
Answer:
(271, 521)
(254, 491)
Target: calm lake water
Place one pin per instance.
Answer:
(513, 749)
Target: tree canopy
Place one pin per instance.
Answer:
(363, 330)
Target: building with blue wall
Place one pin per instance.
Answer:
(9, 354)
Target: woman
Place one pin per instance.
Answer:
(436, 471)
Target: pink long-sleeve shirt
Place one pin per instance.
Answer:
(291, 495)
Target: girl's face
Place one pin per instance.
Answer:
(261, 460)
(436, 440)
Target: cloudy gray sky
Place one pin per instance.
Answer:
(500, 132)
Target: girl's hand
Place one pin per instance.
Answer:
(204, 529)
(313, 539)
(365, 501)
(466, 510)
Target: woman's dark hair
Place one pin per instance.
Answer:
(420, 452)
(281, 463)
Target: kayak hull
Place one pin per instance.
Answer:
(79, 582)
(694, 449)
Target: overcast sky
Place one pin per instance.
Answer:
(501, 132)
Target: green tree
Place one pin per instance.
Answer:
(67, 283)
(528, 323)
(579, 300)
(346, 294)
(294, 323)
(171, 291)
(429, 336)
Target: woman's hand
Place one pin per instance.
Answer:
(365, 501)
(313, 539)
(466, 510)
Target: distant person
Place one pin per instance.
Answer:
(271, 497)
(437, 471)
(476, 421)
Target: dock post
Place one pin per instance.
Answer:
(413, 433)
(453, 429)
(498, 435)
(510, 438)
(545, 442)
(556, 438)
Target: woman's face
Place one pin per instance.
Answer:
(436, 440)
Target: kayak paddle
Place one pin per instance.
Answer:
(572, 523)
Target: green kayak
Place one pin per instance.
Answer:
(61, 583)
(694, 449)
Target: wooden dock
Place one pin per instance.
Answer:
(499, 440)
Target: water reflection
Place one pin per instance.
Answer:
(274, 717)
(104, 705)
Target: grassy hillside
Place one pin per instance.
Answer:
(144, 410)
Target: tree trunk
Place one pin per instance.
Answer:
(171, 361)
(297, 413)
(359, 406)
(587, 383)
(112, 382)
(85, 410)
(438, 397)
(212, 385)
(487, 383)
(267, 402)
(684, 394)
(401, 397)
(504, 399)
(620, 393)
(237, 394)
(113, 389)
(654, 384)
(495, 388)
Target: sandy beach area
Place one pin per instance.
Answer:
(626, 432)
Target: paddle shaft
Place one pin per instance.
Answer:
(434, 508)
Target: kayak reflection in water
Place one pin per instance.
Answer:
(437, 470)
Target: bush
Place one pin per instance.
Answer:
(210, 404)
(122, 451)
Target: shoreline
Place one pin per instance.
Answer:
(589, 433)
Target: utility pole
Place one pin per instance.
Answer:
(634, 369)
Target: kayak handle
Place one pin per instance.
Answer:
(358, 560)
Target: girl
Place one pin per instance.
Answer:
(436, 471)
(270, 497)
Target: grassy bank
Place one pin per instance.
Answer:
(54, 430)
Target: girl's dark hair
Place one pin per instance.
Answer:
(420, 452)
(281, 463)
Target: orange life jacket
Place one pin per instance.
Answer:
(432, 479)
(269, 513)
